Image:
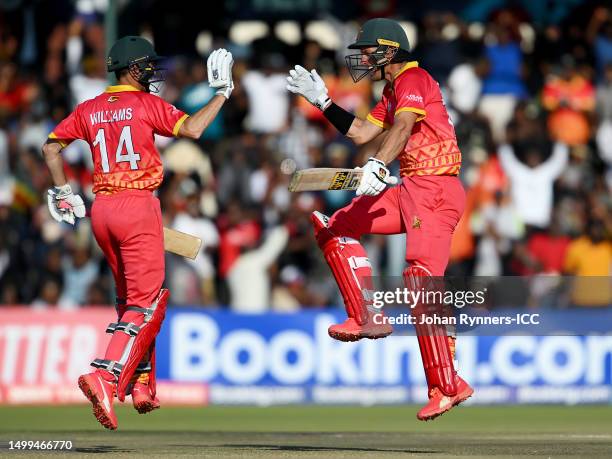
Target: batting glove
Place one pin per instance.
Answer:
(375, 178)
(219, 65)
(63, 205)
(310, 85)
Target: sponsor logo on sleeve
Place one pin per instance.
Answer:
(414, 98)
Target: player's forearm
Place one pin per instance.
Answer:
(339, 117)
(394, 143)
(55, 164)
(358, 130)
(195, 125)
(397, 137)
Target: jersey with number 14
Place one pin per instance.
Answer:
(119, 126)
(432, 147)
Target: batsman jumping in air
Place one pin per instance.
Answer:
(426, 205)
(119, 126)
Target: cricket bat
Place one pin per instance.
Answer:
(325, 178)
(180, 243)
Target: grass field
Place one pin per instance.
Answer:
(317, 432)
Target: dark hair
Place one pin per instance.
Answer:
(121, 72)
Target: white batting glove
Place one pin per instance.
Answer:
(219, 65)
(310, 85)
(63, 205)
(375, 178)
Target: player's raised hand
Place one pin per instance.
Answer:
(64, 205)
(219, 66)
(310, 85)
(375, 178)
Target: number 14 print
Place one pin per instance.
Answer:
(125, 143)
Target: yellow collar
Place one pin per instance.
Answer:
(121, 88)
(408, 65)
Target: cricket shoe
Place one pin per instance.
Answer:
(101, 394)
(142, 399)
(350, 330)
(439, 403)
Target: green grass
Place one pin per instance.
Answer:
(332, 432)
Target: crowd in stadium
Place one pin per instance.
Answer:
(531, 102)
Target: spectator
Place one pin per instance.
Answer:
(591, 254)
(49, 268)
(267, 95)
(184, 157)
(191, 221)
(604, 96)
(297, 140)
(238, 230)
(465, 85)
(589, 258)
(498, 224)
(570, 98)
(15, 95)
(599, 33)
(48, 296)
(9, 293)
(87, 74)
(248, 278)
(97, 296)
(439, 50)
(503, 86)
(80, 272)
(234, 173)
(604, 130)
(290, 293)
(532, 182)
(547, 250)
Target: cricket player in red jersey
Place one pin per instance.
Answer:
(119, 126)
(426, 205)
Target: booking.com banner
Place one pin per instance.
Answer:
(226, 358)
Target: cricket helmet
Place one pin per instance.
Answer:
(138, 56)
(391, 44)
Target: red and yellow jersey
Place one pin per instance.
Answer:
(432, 147)
(119, 126)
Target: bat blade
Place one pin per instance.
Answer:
(182, 244)
(325, 178)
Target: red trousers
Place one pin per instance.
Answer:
(426, 208)
(128, 228)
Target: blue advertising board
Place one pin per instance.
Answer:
(289, 358)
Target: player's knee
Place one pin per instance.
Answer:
(429, 267)
(327, 229)
(416, 275)
(417, 270)
(322, 232)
